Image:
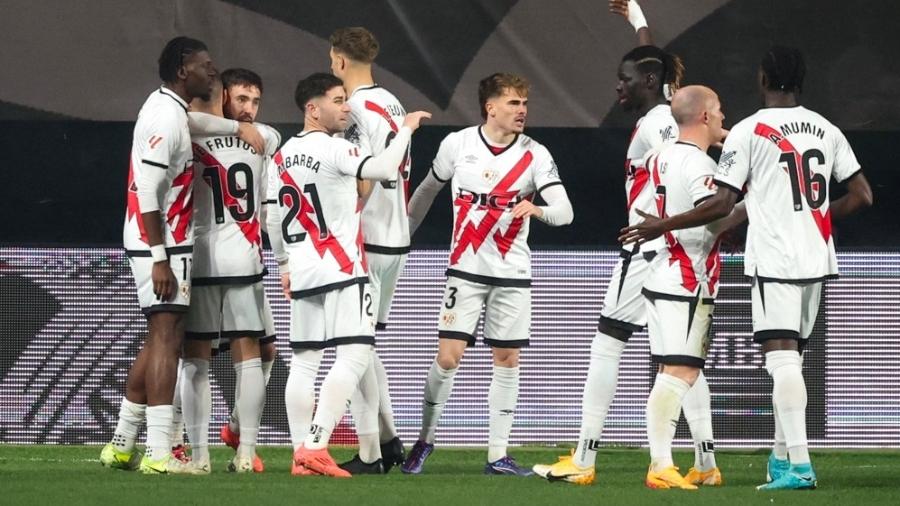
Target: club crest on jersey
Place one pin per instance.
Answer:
(154, 141)
(726, 161)
(489, 176)
(449, 318)
(185, 288)
(667, 134)
(554, 170)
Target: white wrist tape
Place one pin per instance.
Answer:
(636, 15)
(158, 253)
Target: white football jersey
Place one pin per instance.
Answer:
(228, 192)
(654, 130)
(681, 177)
(488, 245)
(785, 157)
(319, 209)
(161, 141)
(375, 118)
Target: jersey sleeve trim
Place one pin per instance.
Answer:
(548, 185)
(433, 173)
(852, 175)
(702, 200)
(155, 164)
(360, 168)
(723, 184)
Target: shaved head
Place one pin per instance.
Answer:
(690, 102)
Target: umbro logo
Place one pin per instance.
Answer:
(471, 159)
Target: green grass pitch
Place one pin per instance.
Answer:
(72, 475)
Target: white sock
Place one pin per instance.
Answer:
(351, 361)
(364, 406)
(159, 431)
(599, 390)
(789, 394)
(177, 416)
(663, 410)
(197, 406)
(502, 397)
(697, 412)
(131, 418)
(779, 447)
(267, 370)
(437, 390)
(300, 393)
(250, 404)
(386, 426)
(234, 422)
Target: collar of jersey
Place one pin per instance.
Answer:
(489, 145)
(686, 143)
(304, 134)
(365, 87)
(174, 96)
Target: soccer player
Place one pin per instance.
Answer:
(317, 229)
(375, 116)
(785, 156)
(229, 299)
(682, 279)
(647, 78)
(495, 171)
(158, 240)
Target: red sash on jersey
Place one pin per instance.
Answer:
(377, 109)
(823, 221)
(250, 228)
(134, 206)
(182, 209)
(330, 242)
(676, 249)
(468, 234)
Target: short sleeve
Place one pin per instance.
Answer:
(845, 163)
(546, 173)
(699, 178)
(443, 167)
(159, 136)
(357, 133)
(271, 136)
(734, 164)
(348, 157)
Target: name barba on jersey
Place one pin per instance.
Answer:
(300, 160)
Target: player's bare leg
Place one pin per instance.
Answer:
(249, 401)
(438, 386)
(663, 411)
(196, 398)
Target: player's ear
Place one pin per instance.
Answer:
(650, 80)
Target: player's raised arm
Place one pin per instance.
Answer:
(631, 11)
(384, 166)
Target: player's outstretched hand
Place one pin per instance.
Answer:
(249, 134)
(647, 230)
(527, 209)
(413, 119)
(164, 282)
(286, 285)
(619, 7)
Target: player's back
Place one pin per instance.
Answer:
(319, 209)
(682, 177)
(787, 157)
(376, 117)
(654, 130)
(230, 176)
(161, 142)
